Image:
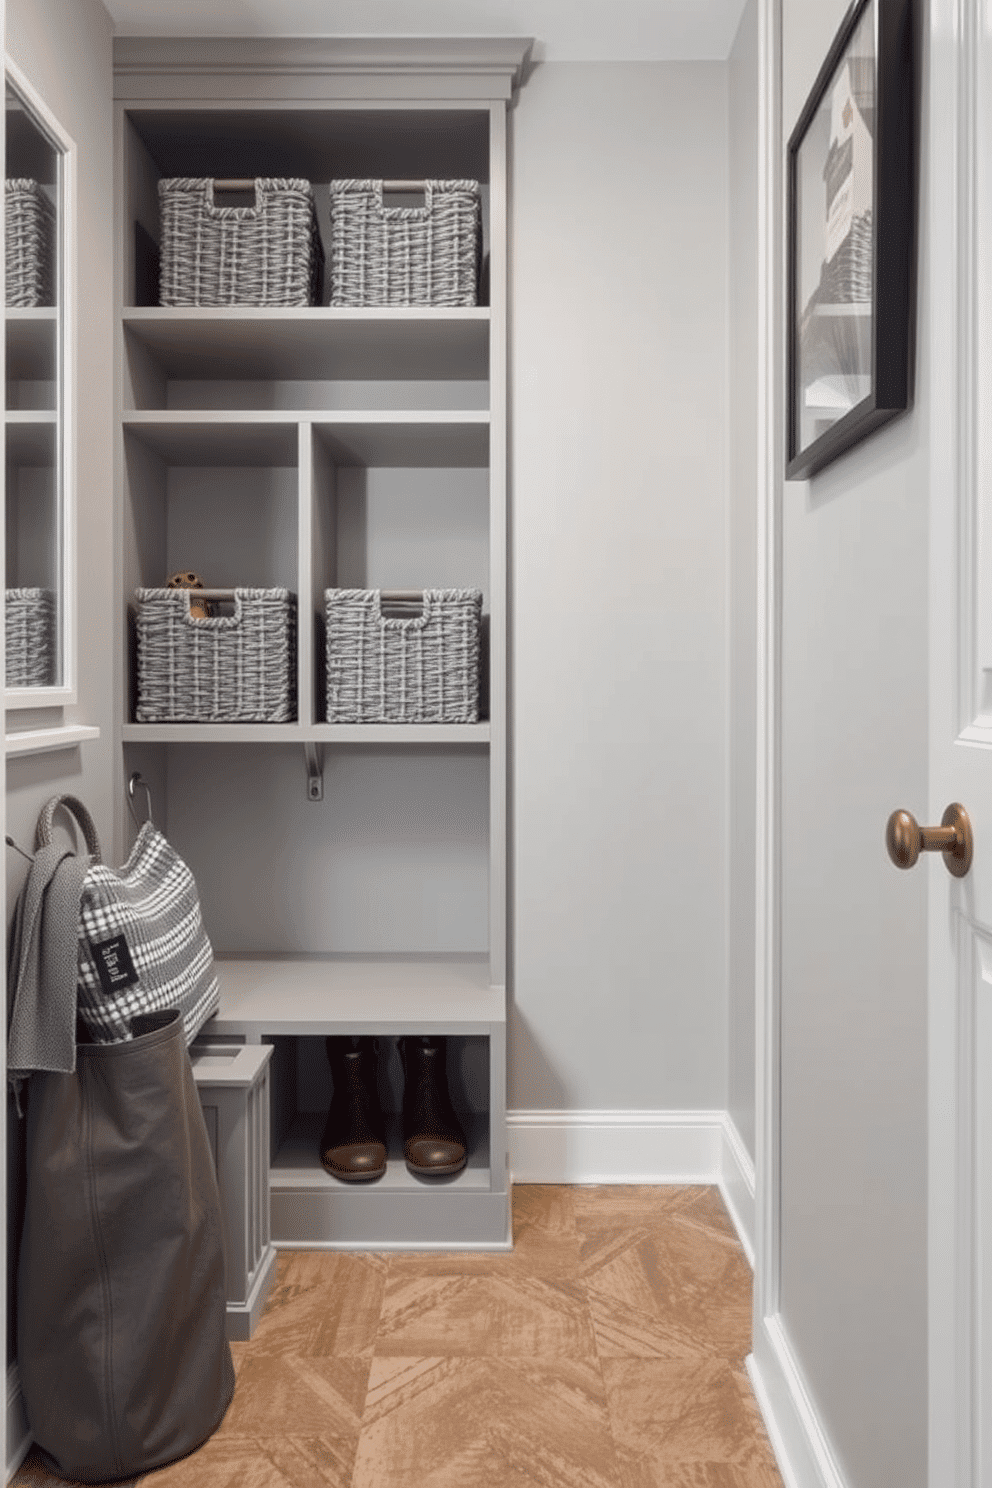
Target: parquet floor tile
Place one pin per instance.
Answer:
(474, 1423)
(605, 1351)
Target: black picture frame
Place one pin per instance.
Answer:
(852, 215)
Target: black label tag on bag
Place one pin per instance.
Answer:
(113, 964)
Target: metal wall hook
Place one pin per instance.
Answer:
(138, 782)
(314, 756)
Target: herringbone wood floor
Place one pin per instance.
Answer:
(605, 1351)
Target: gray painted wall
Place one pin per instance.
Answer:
(742, 568)
(853, 1024)
(619, 560)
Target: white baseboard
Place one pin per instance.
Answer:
(637, 1147)
(737, 1185)
(805, 1457)
(18, 1433)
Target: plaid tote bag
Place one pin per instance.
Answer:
(142, 944)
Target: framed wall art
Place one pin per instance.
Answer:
(851, 239)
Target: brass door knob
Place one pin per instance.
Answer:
(906, 839)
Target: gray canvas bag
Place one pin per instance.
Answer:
(121, 1342)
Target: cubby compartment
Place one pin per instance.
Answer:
(394, 526)
(219, 500)
(401, 1209)
(297, 1135)
(32, 357)
(315, 145)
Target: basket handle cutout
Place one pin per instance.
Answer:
(215, 621)
(405, 608)
(405, 196)
(244, 189)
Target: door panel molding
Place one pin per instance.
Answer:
(958, 235)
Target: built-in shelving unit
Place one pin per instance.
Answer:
(308, 448)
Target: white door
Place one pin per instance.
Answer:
(958, 231)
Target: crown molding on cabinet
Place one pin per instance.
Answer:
(298, 67)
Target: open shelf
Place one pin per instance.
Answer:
(419, 438)
(296, 1163)
(314, 343)
(209, 438)
(356, 994)
(31, 437)
(302, 733)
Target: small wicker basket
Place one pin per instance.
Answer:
(30, 622)
(419, 670)
(268, 254)
(237, 668)
(29, 234)
(425, 255)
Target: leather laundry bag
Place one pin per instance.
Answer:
(121, 1304)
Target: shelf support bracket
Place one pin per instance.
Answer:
(314, 755)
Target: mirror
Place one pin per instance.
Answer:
(36, 467)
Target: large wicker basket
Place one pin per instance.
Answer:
(425, 255)
(268, 254)
(30, 642)
(424, 669)
(29, 233)
(237, 668)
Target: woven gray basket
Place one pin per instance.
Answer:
(268, 254)
(425, 255)
(229, 669)
(29, 233)
(30, 622)
(419, 670)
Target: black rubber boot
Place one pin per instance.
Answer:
(353, 1146)
(433, 1139)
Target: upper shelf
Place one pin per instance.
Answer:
(315, 343)
(418, 439)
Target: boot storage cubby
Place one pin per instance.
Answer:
(352, 875)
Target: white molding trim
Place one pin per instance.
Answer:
(320, 66)
(737, 1185)
(18, 1432)
(637, 1147)
(768, 623)
(804, 1455)
(960, 100)
(615, 1146)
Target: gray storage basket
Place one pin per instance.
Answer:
(268, 254)
(229, 669)
(420, 670)
(29, 234)
(425, 255)
(30, 644)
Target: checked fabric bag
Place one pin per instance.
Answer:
(142, 944)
